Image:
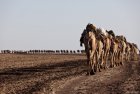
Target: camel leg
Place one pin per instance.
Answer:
(115, 59)
(98, 55)
(95, 63)
(111, 61)
(89, 67)
(107, 60)
(99, 67)
(88, 64)
(121, 61)
(92, 71)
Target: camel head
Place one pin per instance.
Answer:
(90, 27)
(110, 32)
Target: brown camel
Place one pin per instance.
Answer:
(128, 52)
(99, 37)
(122, 48)
(134, 51)
(89, 41)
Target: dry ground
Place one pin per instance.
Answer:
(64, 74)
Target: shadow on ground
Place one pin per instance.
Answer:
(53, 72)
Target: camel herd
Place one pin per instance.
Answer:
(103, 48)
(42, 51)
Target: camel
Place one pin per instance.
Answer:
(99, 44)
(100, 54)
(104, 46)
(122, 48)
(127, 52)
(114, 49)
(107, 45)
(99, 32)
(135, 51)
(89, 41)
(100, 51)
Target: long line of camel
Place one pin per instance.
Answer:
(104, 48)
(42, 52)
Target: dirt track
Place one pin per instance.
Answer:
(64, 74)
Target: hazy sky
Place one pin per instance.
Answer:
(58, 24)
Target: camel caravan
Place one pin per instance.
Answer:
(42, 51)
(104, 49)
